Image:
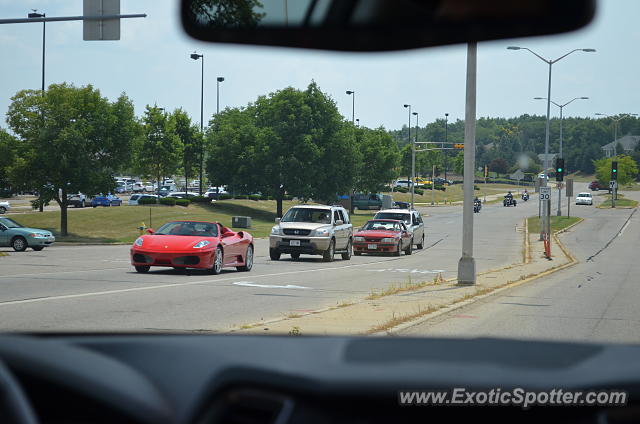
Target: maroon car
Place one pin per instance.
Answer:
(595, 186)
(383, 236)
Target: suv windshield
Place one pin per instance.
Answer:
(316, 216)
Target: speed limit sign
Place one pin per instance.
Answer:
(545, 193)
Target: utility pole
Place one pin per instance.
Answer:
(467, 263)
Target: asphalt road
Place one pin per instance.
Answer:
(596, 300)
(94, 288)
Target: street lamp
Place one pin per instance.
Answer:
(218, 81)
(353, 105)
(413, 158)
(615, 120)
(40, 15)
(446, 131)
(196, 56)
(358, 122)
(560, 154)
(550, 62)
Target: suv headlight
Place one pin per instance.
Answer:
(275, 230)
(388, 240)
(202, 244)
(322, 232)
(358, 238)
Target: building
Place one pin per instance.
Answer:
(628, 143)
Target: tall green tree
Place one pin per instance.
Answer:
(159, 150)
(378, 159)
(71, 139)
(191, 140)
(8, 150)
(627, 169)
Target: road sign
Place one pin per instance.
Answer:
(613, 184)
(569, 188)
(545, 193)
(104, 29)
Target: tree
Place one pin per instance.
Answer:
(627, 169)
(226, 13)
(70, 140)
(458, 163)
(7, 158)
(191, 141)
(499, 165)
(159, 151)
(378, 159)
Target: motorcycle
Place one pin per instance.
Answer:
(525, 196)
(477, 205)
(508, 201)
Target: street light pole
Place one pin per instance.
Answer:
(561, 106)
(545, 223)
(218, 81)
(446, 131)
(413, 159)
(41, 15)
(353, 105)
(196, 56)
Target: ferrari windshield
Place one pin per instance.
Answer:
(382, 226)
(188, 228)
(319, 216)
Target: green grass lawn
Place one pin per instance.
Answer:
(621, 202)
(557, 223)
(581, 178)
(119, 224)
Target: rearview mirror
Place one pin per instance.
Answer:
(339, 222)
(378, 25)
(150, 230)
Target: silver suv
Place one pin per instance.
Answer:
(312, 230)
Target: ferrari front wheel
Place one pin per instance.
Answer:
(217, 262)
(248, 260)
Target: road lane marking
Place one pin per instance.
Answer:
(270, 286)
(406, 270)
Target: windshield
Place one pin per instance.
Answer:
(394, 215)
(186, 228)
(317, 216)
(10, 223)
(382, 226)
(306, 147)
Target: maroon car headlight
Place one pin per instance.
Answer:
(358, 238)
(389, 240)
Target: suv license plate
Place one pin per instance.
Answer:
(294, 242)
(372, 246)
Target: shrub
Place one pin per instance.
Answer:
(170, 201)
(402, 189)
(418, 191)
(255, 197)
(241, 197)
(147, 201)
(199, 199)
(263, 197)
(225, 197)
(183, 202)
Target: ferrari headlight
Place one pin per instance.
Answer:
(138, 241)
(388, 240)
(275, 230)
(358, 238)
(202, 244)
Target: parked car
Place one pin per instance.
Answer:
(411, 218)
(167, 189)
(4, 207)
(542, 176)
(403, 183)
(212, 194)
(422, 181)
(183, 194)
(367, 201)
(77, 200)
(108, 200)
(595, 186)
(383, 236)
(137, 187)
(134, 200)
(121, 187)
(19, 238)
(313, 230)
(193, 244)
(584, 199)
(149, 187)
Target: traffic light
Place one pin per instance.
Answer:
(458, 146)
(614, 170)
(559, 169)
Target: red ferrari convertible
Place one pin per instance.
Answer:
(193, 244)
(383, 236)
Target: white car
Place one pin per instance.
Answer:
(412, 220)
(403, 183)
(584, 199)
(4, 206)
(135, 198)
(137, 187)
(149, 188)
(183, 194)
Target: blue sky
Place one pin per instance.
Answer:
(151, 64)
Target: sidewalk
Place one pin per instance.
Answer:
(402, 307)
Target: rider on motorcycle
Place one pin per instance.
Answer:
(509, 196)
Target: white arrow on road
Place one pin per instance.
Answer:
(268, 286)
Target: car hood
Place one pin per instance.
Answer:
(377, 234)
(28, 230)
(168, 242)
(303, 225)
